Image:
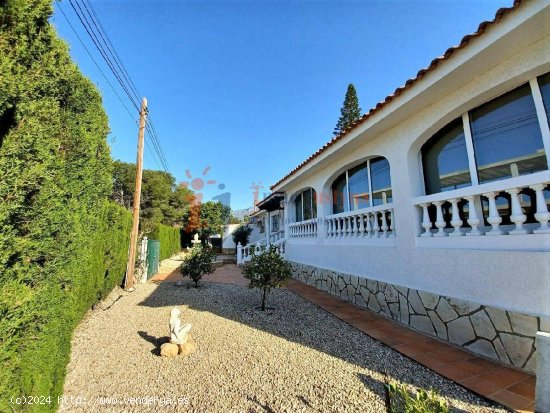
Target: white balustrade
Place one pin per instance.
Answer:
(452, 224)
(375, 222)
(303, 229)
(244, 254)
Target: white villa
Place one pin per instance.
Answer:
(433, 209)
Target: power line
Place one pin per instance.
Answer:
(95, 30)
(154, 156)
(153, 136)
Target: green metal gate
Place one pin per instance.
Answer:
(153, 254)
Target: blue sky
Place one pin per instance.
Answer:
(252, 88)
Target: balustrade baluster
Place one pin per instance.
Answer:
(361, 232)
(392, 225)
(384, 224)
(542, 215)
(517, 216)
(426, 222)
(473, 219)
(376, 228)
(439, 221)
(456, 222)
(494, 218)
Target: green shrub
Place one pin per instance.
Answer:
(199, 262)
(170, 240)
(267, 270)
(241, 234)
(62, 245)
(401, 401)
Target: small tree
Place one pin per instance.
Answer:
(350, 112)
(197, 263)
(267, 270)
(241, 234)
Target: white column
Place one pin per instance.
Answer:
(494, 218)
(239, 253)
(368, 232)
(542, 395)
(392, 225)
(542, 215)
(473, 219)
(361, 231)
(426, 223)
(439, 221)
(456, 222)
(376, 228)
(384, 227)
(468, 138)
(542, 118)
(517, 217)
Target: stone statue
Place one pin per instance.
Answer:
(178, 334)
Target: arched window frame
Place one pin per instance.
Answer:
(542, 119)
(313, 204)
(346, 191)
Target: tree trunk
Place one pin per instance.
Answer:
(263, 299)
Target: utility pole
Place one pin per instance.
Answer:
(129, 282)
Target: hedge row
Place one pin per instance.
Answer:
(62, 245)
(170, 240)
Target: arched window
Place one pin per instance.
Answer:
(504, 137)
(507, 137)
(363, 186)
(306, 205)
(445, 160)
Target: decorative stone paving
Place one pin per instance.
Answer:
(491, 332)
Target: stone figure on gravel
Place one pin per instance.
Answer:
(181, 342)
(178, 334)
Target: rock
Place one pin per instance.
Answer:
(391, 294)
(428, 299)
(440, 327)
(372, 286)
(460, 331)
(402, 290)
(501, 351)
(483, 326)
(483, 347)
(445, 311)
(463, 307)
(189, 347)
(499, 319)
(523, 324)
(422, 323)
(416, 303)
(360, 301)
(169, 350)
(518, 348)
(373, 304)
(403, 310)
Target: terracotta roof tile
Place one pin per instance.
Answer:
(421, 73)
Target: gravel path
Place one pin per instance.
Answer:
(295, 358)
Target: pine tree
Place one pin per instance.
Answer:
(350, 112)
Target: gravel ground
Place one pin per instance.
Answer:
(294, 358)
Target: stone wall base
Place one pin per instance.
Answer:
(497, 334)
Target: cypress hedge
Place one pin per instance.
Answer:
(170, 240)
(63, 246)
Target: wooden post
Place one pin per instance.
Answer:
(129, 282)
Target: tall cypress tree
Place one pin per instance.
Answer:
(350, 112)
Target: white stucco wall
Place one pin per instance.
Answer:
(228, 243)
(512, 273)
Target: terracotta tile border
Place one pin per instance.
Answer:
(507, 386)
